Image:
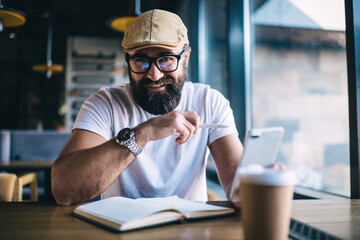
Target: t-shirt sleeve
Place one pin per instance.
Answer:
(220, 112)
(95, 114)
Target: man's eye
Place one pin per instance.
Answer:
(167, 59)
(140, 60)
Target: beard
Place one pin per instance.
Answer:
(162, 102)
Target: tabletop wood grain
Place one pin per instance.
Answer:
(41, 221)
(340, 218)
(26, 220)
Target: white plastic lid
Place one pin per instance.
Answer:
(257, 174)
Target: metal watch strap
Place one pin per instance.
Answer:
(130, 143)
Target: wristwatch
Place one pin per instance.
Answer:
(126, 137)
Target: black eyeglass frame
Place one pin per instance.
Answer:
(154, 60)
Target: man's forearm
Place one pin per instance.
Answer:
(84, 174)
(88, 164)
(226, 153)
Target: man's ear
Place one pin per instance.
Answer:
(187, 56)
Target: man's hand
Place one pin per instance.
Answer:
(181, 123)
(277, 166)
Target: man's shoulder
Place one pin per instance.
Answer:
(196, 87)
(110, 95)
(119, 88)
(113, 91)
(200, 89)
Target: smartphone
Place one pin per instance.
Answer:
(261, 146)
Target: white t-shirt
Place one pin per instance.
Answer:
(164, 168)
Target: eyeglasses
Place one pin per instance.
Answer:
(166, 63)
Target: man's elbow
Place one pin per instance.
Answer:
(63, 201)
(61, 197)
(59, 190)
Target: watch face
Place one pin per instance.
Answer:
(124, 134)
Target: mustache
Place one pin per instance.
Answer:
(162, 81)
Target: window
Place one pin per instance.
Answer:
(207, 26)
(292, 72)
(299, 81)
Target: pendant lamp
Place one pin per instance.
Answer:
(11, 18)
(120, 23)
(49, 68)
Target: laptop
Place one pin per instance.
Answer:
(261, 146)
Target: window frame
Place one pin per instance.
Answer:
(353, 69)
(239, 76)
(241, 66)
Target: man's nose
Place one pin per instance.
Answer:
(154, 73)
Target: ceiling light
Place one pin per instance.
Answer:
(11, 18)
(49, 68)
(120, 23)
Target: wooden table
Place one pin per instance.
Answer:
(20, 166)
(47, 221)
(340, 218)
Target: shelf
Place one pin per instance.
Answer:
(92, 60)
(90, 65)
(96, 73)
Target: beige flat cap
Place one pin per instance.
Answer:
(155, 28)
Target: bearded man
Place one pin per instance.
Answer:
(145, 139)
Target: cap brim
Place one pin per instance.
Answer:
(152, 45)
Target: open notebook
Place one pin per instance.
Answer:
(125, 214)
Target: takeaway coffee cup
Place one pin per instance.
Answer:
(266, 199)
